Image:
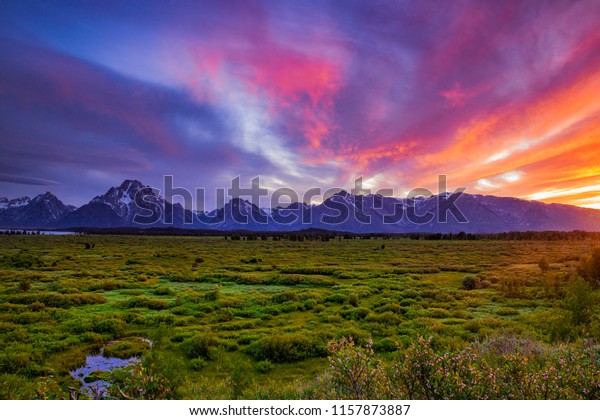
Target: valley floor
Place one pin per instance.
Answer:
(259, 318)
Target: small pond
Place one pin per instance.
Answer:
(93, 375)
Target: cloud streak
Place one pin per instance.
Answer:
(498, 96)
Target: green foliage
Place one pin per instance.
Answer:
(544, 264)
(199, 345)
(280, 311)
(24, 285)
(138, 382)
(286, 347)
(239, 379)
(355, 372)
(580, 301)
(164, 291)
(197, 364)
(471, 282)
(56, 300)
(420, 372)
(146, 302)
(126, 348)
(590, 268)
(513, 287)
(264, 366)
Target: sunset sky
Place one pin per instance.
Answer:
(501, 96)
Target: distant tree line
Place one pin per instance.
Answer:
(326, 235)
(20, 232)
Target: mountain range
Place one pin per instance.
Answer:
(133, 204)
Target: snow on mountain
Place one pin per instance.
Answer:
(40, 211)
(341, 211)
(5, 203)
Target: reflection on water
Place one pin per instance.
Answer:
(98, 363)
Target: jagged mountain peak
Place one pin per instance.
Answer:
(47, 196)
(484, 214)
(342, 193)
(131, 184)
(121, 199)
(6, 203)
(40, 211)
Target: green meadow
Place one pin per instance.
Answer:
(262, 318)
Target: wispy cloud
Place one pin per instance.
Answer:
(501, 97)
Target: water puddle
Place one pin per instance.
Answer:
(96, 371)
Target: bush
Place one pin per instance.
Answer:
(421, 372)
(126, 348)
(111, 326)
(471, 282)
(580, 301)
(512, 287)
(284, 297)
(164, 291)
(197, 364)
(24, 285)
(337, 298)
(507, 312)
(286, 348)
(264, 366)
(590, 268)
(355, 373)
(544, 264)
(410, 294)
(146, 302)
(57, 300)
(198, 345)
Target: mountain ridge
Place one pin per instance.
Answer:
(134, 204)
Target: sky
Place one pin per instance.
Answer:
(502, 97)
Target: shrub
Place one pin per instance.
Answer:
(507, 312)
(580, 301)
(126, 348)
(420, 372)
(198, 345)
(164, 291)
(252, 260)
(57, 300)
(24, 285)
(410, 294)
(140, 383)
(407, 302)
(197, 364)
(37, 306)
(286, 347)
(544, 264)
(325, 271)
(111, 326)
(355, 372)
(146, 302)
(337, 298)
(284, 297)
(512, 287)
(264, 366)
(212, 295)
(590, 268)
(475, 325)
(471, 282)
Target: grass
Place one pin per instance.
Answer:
(212, 305)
